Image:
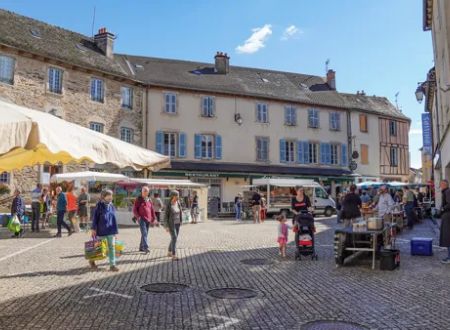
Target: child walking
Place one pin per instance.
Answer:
(283, 229)
(104, 225)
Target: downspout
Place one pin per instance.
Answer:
(349, 137)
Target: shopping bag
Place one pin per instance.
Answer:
(95, 249)
(14, 224)
(120, 246)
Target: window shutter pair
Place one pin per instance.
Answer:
(181, 143)
(198, 146)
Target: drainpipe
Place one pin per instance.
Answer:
(145, 111)
(349, 136)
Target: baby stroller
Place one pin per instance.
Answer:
(304, 237)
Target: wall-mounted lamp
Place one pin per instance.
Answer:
(238, 118)
(419, 93)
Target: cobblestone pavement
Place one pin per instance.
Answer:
(45, 283)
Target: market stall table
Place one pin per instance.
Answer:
(360, 240)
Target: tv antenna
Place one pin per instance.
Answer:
(396, 100)
(93, 23)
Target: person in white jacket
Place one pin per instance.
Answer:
(385, 202)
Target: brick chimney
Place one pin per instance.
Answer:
(331, 79)
(222, 63)
(105, 41)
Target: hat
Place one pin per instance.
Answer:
(174, 193)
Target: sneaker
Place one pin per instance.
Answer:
(445, 261)
(169, 254)
(58, 235)
(92, 264)
(146, 251)
(70, 232)
(113, 269)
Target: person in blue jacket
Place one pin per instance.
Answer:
(104, 225)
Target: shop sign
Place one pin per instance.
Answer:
(202, 175)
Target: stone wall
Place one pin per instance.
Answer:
(74, 104)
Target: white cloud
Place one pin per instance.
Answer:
(256, 40)
(291, 32)
(415, 131)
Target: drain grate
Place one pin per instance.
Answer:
(332, 325)
(232, 293)
(257, 261)
(164, 287)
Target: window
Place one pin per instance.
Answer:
(4, 177)
(262, 149)
(363, 127)
(98, 127)
(289, 151)
(290, 116)
(170, 144)
(334, 154)
(55, 80)
(207, 146)
(312, 153)
(171, 103)
(126, 134)
(335, 121)
(320, 193)
(364, 154)
(7, 65)
(127, 97)
(97, 90)
(313, 118)
(394, 157)
(393, 128)
(262, 113)
(208, 106)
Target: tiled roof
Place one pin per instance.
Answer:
(285, 86)
(372, 104)
(54, 42)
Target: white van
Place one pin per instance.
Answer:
(279, 193)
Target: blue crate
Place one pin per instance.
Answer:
(421, 246)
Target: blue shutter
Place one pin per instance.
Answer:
(294, 116)
(182, 145)
(344, 156)
(198, 146)
(282, 150)
(218, 147)
(160, 142)
(323, 158)
(328, 154)
(338, 121)
(306, 152)
(300, 153)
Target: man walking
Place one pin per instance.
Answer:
(61, 206)
(444, 239)
(409, 206)
(36, 207)
(145, 214)
(256, 206)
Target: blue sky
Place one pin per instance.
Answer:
(375, 46)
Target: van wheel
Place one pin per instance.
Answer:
(328, 212)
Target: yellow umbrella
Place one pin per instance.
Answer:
(31, 137)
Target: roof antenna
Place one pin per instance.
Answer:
(327, 62)
(396, 100)
(93, 22)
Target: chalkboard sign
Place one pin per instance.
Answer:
(213, 207)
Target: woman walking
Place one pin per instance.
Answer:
(351, 207)
(144, 212)
(104, 226)
(172, 222)
(238, 206)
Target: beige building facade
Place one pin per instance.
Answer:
(436, 18)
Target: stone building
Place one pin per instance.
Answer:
(69, 75)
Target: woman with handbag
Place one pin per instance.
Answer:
(172, 222)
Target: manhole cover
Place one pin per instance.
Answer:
(332, 325)
(164, 287)
(232, 293)
(257, 261)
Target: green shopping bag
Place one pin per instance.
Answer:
(14, 225)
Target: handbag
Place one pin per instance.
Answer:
(95, 249)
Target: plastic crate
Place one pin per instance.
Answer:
(421, 246)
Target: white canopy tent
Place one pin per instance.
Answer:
(89, 176)
(169, 183)
(31, 137)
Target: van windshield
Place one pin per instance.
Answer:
(320, 193)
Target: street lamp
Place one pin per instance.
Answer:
(238, 118)
(419, 93)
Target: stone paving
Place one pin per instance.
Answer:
(45, 283)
